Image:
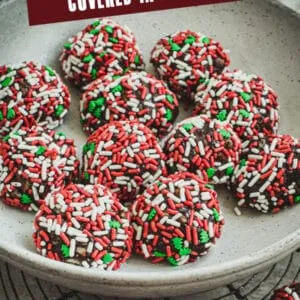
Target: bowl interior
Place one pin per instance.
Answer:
(262, 39)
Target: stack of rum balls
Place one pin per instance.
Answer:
(132, 194)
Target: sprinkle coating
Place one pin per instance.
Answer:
(291, 292)
(35, 162)
(84, 225)
(101, 48)
(176, 219)
(31, 95)
(185, 59)
(267, 178)
(124, 156)
(136, 95)
(205, 147)
(245, 101)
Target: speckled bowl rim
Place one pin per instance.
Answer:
(27, 259)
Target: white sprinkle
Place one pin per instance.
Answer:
(72, 247)
(237, 211)
(145, 250)
(205, 196)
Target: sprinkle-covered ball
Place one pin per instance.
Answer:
(291, 292)
(204, 147)
(186, 59)
(268, 177)
(101, 48)
(31, 94)
(245, 101)
(124, 156)
(137, 95)
(35, 162)
(84, 225)
(176, 219)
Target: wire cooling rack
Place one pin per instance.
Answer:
(17, 285)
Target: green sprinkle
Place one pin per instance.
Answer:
(210, 172)
(94, 31)
(225, 134)
(96, 23)
(68, 46)
(98, 113)
(297, 199)
(170, 98)
(117, 89)
(107, 258)
(190, 40)
(159, 254)
(41, 150)
(202, 80)
(246, 96)
(175, 47)
(229, 171)
(87, 58)
(59, 110)
(50, 71)
(100, 101)
(96, 105)
(89, 147)
(86, 176)
(216, 215)
(92, 106)
(102, 53)
(152, 214)
(172, 261)
(6, 82)
(114, 224)
(113, 40)
(173, 169)
(10, 114)
(169, 114)
(94, 73)
(185, 251)
(86, 148)
(1, 116)
(244, 113)
(159, 183)
(177, 243)
(109, 29)
(204, 237)
(205, 40)
(92, 147)
(6, 138)
(137, 59)
(61, 134)
(116, 77)
(243, 162)
(210, 186)
(25, 199)
(126, 70)
(65, 250)
(188, 127)
(222, 115)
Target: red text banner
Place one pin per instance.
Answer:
(51, 11)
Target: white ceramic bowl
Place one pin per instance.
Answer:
(263, 39)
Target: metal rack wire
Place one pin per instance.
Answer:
(17, 285)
